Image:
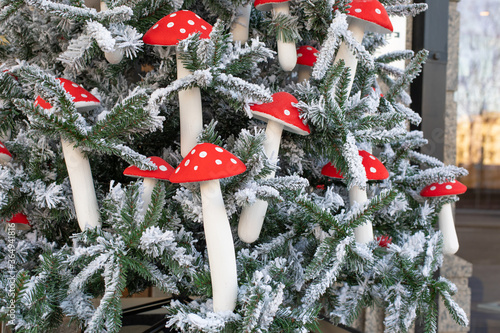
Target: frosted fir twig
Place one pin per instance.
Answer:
(407, 9)
(441, 175)
(101, 35)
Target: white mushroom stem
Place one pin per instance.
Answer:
(303, 73)
(447, 227)
(148, 186)
(357, 29)
(190, 111)
(252, 216)
(287, 52)
(220, 247)
(363, 233)
(240, 26)
(113, 57)
(82, 186)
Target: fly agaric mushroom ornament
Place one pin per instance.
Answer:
(21, 221)
(206, 163)
(280, 115)
(375, 170)
(446, 223)
(363, 15)
(79, 172)
(287, 53)
(151, 177)
(241, 23)
(5, 155)
(306, 58)
(168, 32)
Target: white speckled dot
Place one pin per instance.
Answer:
(203, 27)
(193, 151)
(299, 55)
(170, 24)
(219, 149)
(372, 157)
(163, 168)
(203, 154)
(2, 146)
(187, 162)
(173, 15)
(378, 11)
(453, 181)
(373, 170)
(218, 162)
(155, 26)
(195, 168)
(177, 170)
(75, 85)
(309, 48)
(84, 96)
(191, 22)
(286, 112)
(449, 187)
(433, 188)
(358, 10)
(183, 31)
(234, 161)
(197, 16)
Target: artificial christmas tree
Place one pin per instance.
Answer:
(305, 263)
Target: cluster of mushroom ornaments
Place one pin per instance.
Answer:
(206, 163)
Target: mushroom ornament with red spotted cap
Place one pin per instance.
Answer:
(375, 170)
(21, 221)
(206, 163)
(446, 223)
(113, 57)
(5, 155)
(306, 58)
(162, 172)
(79, 172)
(168, 32)
(280, 115)
(287, 53)
(363, 15)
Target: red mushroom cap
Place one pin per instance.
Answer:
(84, 100)
(163, 170)
(266, 5)
(282, 111)
(175, 27)
(5, 155)
(439, 190)
(207, 161)
(19, 218)
(373, 14)
(374, 169)
(306, 55)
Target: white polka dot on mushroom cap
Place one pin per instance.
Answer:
(234, 161)
(286, 112)
(449, 187)
(358, 10)
(170, 24)
(218, 162)
(378, 11)
(195, 168)
(372, 157)
(203, 27)
(84, 96)
(183, 31)
(453, 181)
(203, 154)
(433, 188)
(74, 85)
(2, 146)
(187, 162)
(309, 48)
(219, 149)
(191, 22)
(173, 15)
(197, 16)
(163, 168)
(177, 170)
(299, 55)
(373, 170)
(193, 151)
(155, 26)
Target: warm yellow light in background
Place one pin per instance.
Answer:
(484, 13)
